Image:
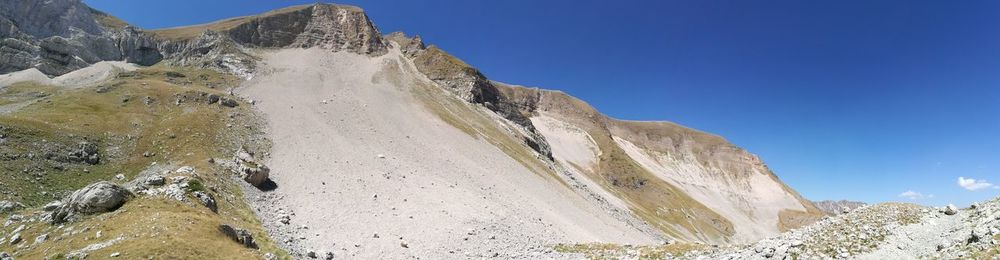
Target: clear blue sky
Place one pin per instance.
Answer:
(859, 100)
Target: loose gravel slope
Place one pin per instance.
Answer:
(363, 169)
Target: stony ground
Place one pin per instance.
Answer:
(882, 231)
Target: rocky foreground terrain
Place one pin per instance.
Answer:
(880, 231)
(306, 133)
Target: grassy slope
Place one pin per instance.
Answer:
(187, 134)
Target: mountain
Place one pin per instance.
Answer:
(837, 207)
(56, 37)
(343, 141)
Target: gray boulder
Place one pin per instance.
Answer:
(155, 180)
(52, 206)
(85, 152)
(98, 197)
(950, 210)
(228, 102)
(241, 236)
(16, 238)
(9, 206)
(249, 169)
(207, 200)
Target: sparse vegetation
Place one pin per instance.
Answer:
(616, 251)
(144, 112)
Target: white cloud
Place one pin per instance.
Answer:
(913, 195)
(974, 184)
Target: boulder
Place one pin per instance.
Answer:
(16, 238)
(9, 206)
(950, 210)
(52, 206)
(249, 169)
(85, 152)
(98, 197)
(228, 102)
(241, 236)
(155, 181)
(213, 98)
(207, 200)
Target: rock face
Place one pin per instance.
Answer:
(95, 198)
(241, 236)
(249, 169)
(222, 45)
(59, 36)
(837, 207)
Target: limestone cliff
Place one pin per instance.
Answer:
(60, 36)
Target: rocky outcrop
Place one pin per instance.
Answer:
(223, 45)
(468, 84)
(407, 45)
(7, 206)
(94, 198)
(207, 200)
(249, 169)
(210, 50)
(60, 36)
(241, 236)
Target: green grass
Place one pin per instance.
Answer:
(195, 185)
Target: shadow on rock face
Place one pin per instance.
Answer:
(268, 185)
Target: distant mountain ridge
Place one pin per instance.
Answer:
(837, 207)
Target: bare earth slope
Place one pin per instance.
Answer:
(372, 172)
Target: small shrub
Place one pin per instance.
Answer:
(195, 185)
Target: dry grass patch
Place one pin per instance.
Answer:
(135, 114)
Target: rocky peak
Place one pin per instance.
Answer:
(220, 45)
(407, 45)
(339, 27)
(49, 18)
(328, 26)
(59, 36)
